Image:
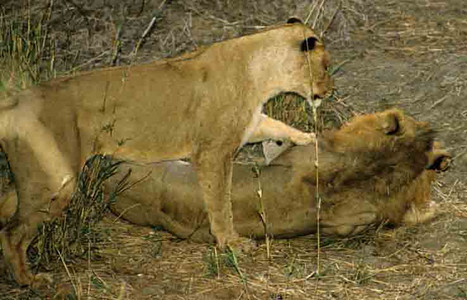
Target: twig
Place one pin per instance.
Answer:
(68, 273)
(318, 14)
(317, 197)
(312, 9)
(240, 273)
(121, 294)
(125, 210)
(87, 62)
(261, 212)
(148, 29)
(331, 20)
(117, 45)
(439, 101)
(216, 257)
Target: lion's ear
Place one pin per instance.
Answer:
(440, 162)
(391, 124)
(293, 20)
(308, 44)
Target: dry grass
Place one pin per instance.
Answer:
(27, 53)
(114, 260)
(74, 235)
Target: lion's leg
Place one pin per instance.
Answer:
(422, 208)
(417, 214)
(269, 128)
(418, 197)
(349, 218)
(173, 226)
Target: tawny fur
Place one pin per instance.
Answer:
(370, 171)
(201, 105)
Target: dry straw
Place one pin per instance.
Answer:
(74, 235)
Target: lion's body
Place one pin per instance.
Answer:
(203, 105)
(386, 180)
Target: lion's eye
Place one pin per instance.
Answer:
(308, 44)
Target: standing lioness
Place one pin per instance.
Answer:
(203, 105)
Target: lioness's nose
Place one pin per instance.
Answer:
(322, 88)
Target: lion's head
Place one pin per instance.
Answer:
(376, 168)
(381, 132)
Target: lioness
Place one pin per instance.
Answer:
(203, 105)
(378, 167)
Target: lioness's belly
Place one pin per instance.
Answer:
(137, 133)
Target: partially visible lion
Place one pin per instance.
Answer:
(204, 105)
(376, 168)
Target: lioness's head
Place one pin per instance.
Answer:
(291, 58)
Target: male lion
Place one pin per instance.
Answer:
(204, 105)
(376, 168)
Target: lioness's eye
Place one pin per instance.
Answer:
(294, 20)
(308, 44)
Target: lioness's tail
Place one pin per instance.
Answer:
(8, 101)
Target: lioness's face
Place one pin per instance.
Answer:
(310, 62)
(291, 58)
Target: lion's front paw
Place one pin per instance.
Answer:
(303, 138)
(417, 214)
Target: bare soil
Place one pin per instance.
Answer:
(410, 54)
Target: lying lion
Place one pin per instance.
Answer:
(203, 105)
(376, 168)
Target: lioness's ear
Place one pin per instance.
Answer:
(391, 123)
(293, 20)
(308, 44)
(440, 162)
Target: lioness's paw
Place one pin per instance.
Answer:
(41, 280)
(62, 198)
(303, 138)
(241, 245)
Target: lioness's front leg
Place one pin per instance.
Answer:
(214, 171)
(269, 128)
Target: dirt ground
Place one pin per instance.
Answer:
(410, 54)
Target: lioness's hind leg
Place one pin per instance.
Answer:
(53, 162)
(269, 128)
(40, 196)
(8, 205)
(15, 239)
